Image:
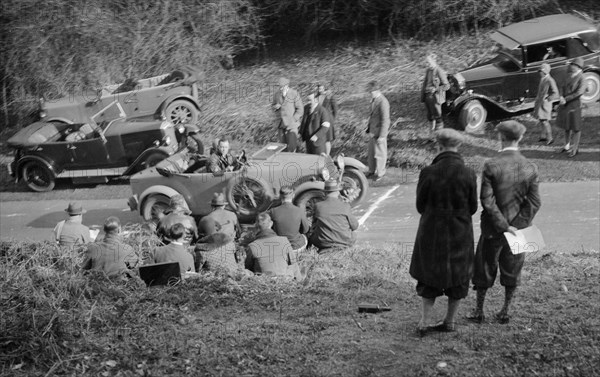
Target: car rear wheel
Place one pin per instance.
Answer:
(38, 177)
(591, 81)
(307, 200)
(248, 197)
(354, 186)
(472, 117)
(154, 206)
(181, 111)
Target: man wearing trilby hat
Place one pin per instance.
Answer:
(219, 220)
(569, 111)
(71, 232)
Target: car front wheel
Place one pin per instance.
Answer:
(181, 111)
(472, 117)
(248, 197)
(38, 177)
(307, 200)
(154, 207)
(591, 81)
(354, 186)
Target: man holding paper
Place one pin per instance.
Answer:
(510, 199)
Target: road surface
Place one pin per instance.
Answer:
(569, 218)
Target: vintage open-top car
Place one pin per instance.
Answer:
(89, 152)
(506, 85)
(252, 189)
(172, 97)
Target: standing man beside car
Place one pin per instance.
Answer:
(288, 106)
(547, 93)
(569, 109)
(327, 100)
(433, 92)
(378, 128)
(315, 127)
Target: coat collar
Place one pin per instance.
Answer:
(447, 155)
(267, 233)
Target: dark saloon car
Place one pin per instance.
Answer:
(88, 152)
(507, 84)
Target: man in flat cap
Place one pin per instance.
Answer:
(177, 213)
(378, 128)
(442, 258)
(72, 232)
(510, 199)
(542, 110)
(288, 106)
(569, 109)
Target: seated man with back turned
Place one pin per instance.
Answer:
(333, 223)
(178, 212)
(71, 232)
(222, 161)
(175, 251)
(290, 221)
(219, 220)
(269, 254)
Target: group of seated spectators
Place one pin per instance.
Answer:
(274, 247)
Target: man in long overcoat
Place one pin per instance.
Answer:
(433, 91)
(442, 259)
(288, 106)
(542, 110)
(569, 109)
(315, 126)
(377, 128)
(510, 199)
(328, 101)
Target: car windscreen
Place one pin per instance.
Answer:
(505, 62)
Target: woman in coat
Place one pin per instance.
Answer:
(442, 259)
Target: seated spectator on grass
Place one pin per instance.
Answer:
(269, 254)
(111, 255)
(290, 221)
(333, 224)
(72, 232)
(219, 220)
(175, 251)
(178, 212)
(216, 253)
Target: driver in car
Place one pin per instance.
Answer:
(222, 160)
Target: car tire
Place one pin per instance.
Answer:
(307, 200)
(472, 117)
(38, 177)
(591, 81)
(248, 197)
(354, 186)
(181, 112)
(153, 206)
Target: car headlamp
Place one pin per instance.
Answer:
(43, 114)
(460, 80)
(166, 124)
(325, 174)
(167, 140)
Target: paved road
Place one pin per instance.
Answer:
(569, 218)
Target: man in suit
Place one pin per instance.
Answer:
(219, 220)
(316, 123)
(175, 251)
(328, 101)
(290, 221)
(442, 258)
(569, 109)
(510, 199)
(542, 110)
(378, 127)
(288, 105)
(433, 92)
(222, 161)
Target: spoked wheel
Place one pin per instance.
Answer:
(248, 197)
(154, 207)
(307, 200)
(38, 177)
(354, 186)
(181, 111)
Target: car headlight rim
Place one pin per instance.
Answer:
(325, 174)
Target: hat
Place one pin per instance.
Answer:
(218, 199)
(283, 81)
(75, 208)
(545, 67)
(511, 129)
(449, 137)
(331, 186)
(578, 62)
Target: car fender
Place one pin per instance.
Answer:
(306, 186)
(354, 163)
(49, 164)
(156, 189)
(59, 119)
(489, 104)
(166, 150)
(173, 97)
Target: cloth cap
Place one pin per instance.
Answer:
(449, 137)
(75, 208)
(331, 186)
(511, 129)
(545, 67)
(283, 81)
(578, 62)
(218, 199)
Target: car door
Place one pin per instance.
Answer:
(88, 154)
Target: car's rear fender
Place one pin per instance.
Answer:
(490, 105)
(162, 149)
(174, 97)
(152, 190)
(23, 160)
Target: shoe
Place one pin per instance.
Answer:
(573, 153)
(422, 331)
(476, 317)
(502, 318)
(377, 178)
(444, 327)
(550, 142)
(542, 139)
(370, 174)
(564, 149)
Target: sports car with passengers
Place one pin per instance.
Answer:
(89, 152)
(506, 85)
(250, 190)
(172, 97)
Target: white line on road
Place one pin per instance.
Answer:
(374, 206)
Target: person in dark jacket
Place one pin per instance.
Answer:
(510, 199)
(315, 126)
(442, 259)
(569, 109)
(327, 100)
(71, 232)
(433, 91)
(290, 221)
(542, 110)
(111, 255)
(178, 212)
(175, 251)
